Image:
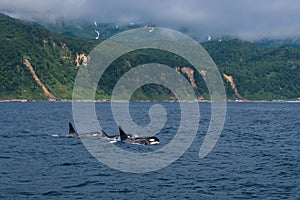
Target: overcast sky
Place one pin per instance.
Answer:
(246, 19)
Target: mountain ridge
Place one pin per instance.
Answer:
(258, 73)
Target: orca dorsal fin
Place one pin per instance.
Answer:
(71, 129)
(123, 135)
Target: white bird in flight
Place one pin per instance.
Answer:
(209, 38)
(98, 34)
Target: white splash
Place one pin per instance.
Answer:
(55, 135)
(95, 23)
(151, 29)
(117, 26)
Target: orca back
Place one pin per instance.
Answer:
(109, 137)
(104, 133)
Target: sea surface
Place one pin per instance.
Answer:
(256, 157)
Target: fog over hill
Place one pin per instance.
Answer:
(247, 20)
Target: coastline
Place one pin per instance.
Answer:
(145, 101)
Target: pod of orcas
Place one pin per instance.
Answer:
(123, 137)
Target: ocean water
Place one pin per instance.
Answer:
(256, 157)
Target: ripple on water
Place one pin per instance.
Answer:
(257, 156)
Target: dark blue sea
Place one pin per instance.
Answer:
(256, 157)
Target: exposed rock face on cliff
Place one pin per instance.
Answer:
(81, 59)
(233, 86)
(47, 93)
(190, 73)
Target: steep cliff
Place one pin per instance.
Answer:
(190, 74)
(48, 94)
(233, 86)
(81, 59)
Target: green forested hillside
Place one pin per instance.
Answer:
(51, 56)
(258, 73)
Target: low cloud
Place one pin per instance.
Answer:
(250, 20)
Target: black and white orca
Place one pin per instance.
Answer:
(115, 137)
(137, 140)
(73, 133)
(110, 137)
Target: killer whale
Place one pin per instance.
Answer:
(73, 132)
(102, 133)
(111, 137)
(115, 137)
(137, 140)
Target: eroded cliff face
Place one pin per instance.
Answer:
(81, 59)
(47, 93)
(190, 73)
(233, 86)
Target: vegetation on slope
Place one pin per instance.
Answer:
(51, 56)
(258, 73)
